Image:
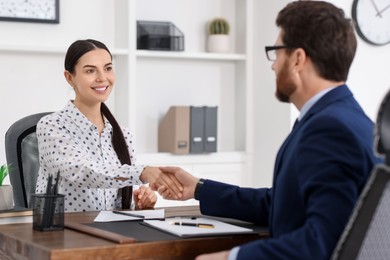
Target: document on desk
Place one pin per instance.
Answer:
(188, 227)
(110, 216)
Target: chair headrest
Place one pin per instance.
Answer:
(382, 129)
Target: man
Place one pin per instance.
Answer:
(323, 164)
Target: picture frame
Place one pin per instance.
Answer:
(36, 11)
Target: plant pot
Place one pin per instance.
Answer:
(218, 43)
(6, 197)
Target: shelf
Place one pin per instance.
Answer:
(139, 53)
(172, 159)
(32, 49)
(48, 49)
(191, 55)
(191, 77)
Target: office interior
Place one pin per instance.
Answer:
(251, 122)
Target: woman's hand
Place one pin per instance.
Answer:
(187, 181)
(156, 178)
(144, 198)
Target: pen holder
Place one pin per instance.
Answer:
(48, 212)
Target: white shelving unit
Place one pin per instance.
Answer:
(156, 80)
(191, 56)
(152, 81)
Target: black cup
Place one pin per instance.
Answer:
(48, 212)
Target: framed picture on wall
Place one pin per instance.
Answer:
(37, 11)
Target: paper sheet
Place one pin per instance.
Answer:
(109, 216)
(220, 227)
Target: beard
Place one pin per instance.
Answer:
(285, 87)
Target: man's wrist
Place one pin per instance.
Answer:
(198, 188)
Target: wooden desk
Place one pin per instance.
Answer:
(20, 241)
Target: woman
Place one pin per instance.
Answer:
(84, 143)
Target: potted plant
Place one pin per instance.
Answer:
(6, 195)
(218, 35)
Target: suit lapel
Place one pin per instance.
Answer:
(332, 96)
(279, 157)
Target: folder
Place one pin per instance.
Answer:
(210, 129)
(219, 227)
(203, 134)
(197, 130)
(174, 131)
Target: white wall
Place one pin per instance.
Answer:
(272, 118)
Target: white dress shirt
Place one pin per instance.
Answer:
(68, 142)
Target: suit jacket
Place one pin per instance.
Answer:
(319, 173)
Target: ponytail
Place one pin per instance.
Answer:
(120, 147)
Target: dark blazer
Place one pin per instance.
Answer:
(319, 173)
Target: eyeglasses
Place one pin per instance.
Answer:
(270, 51)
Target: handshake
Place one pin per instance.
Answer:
(172, 183)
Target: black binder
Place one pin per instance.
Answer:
(203, 129)
(210, 132)
(197, 121)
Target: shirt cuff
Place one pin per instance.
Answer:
(233, 253)
(139, 169)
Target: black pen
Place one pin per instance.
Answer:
(55, 188)
(200, 225)
(127, 214)
(49, 184)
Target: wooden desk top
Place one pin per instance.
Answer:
(20, 241)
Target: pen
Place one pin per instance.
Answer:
(49, 184)
(127, 214)
(200, 225)
(55, 188)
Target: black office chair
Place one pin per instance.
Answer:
(21, 148)
(367, 234)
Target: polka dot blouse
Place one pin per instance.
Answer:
(68, 142)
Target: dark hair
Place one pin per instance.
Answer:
(78, 49)
(325, 34)
(75, 51)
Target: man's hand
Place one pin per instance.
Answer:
(156, 178)
(187, 181)
(144, 198)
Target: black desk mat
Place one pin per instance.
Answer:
(134, 229)
(143, 233)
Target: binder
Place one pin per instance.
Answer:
(210, 129)
(197, 129)
(174, 131)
